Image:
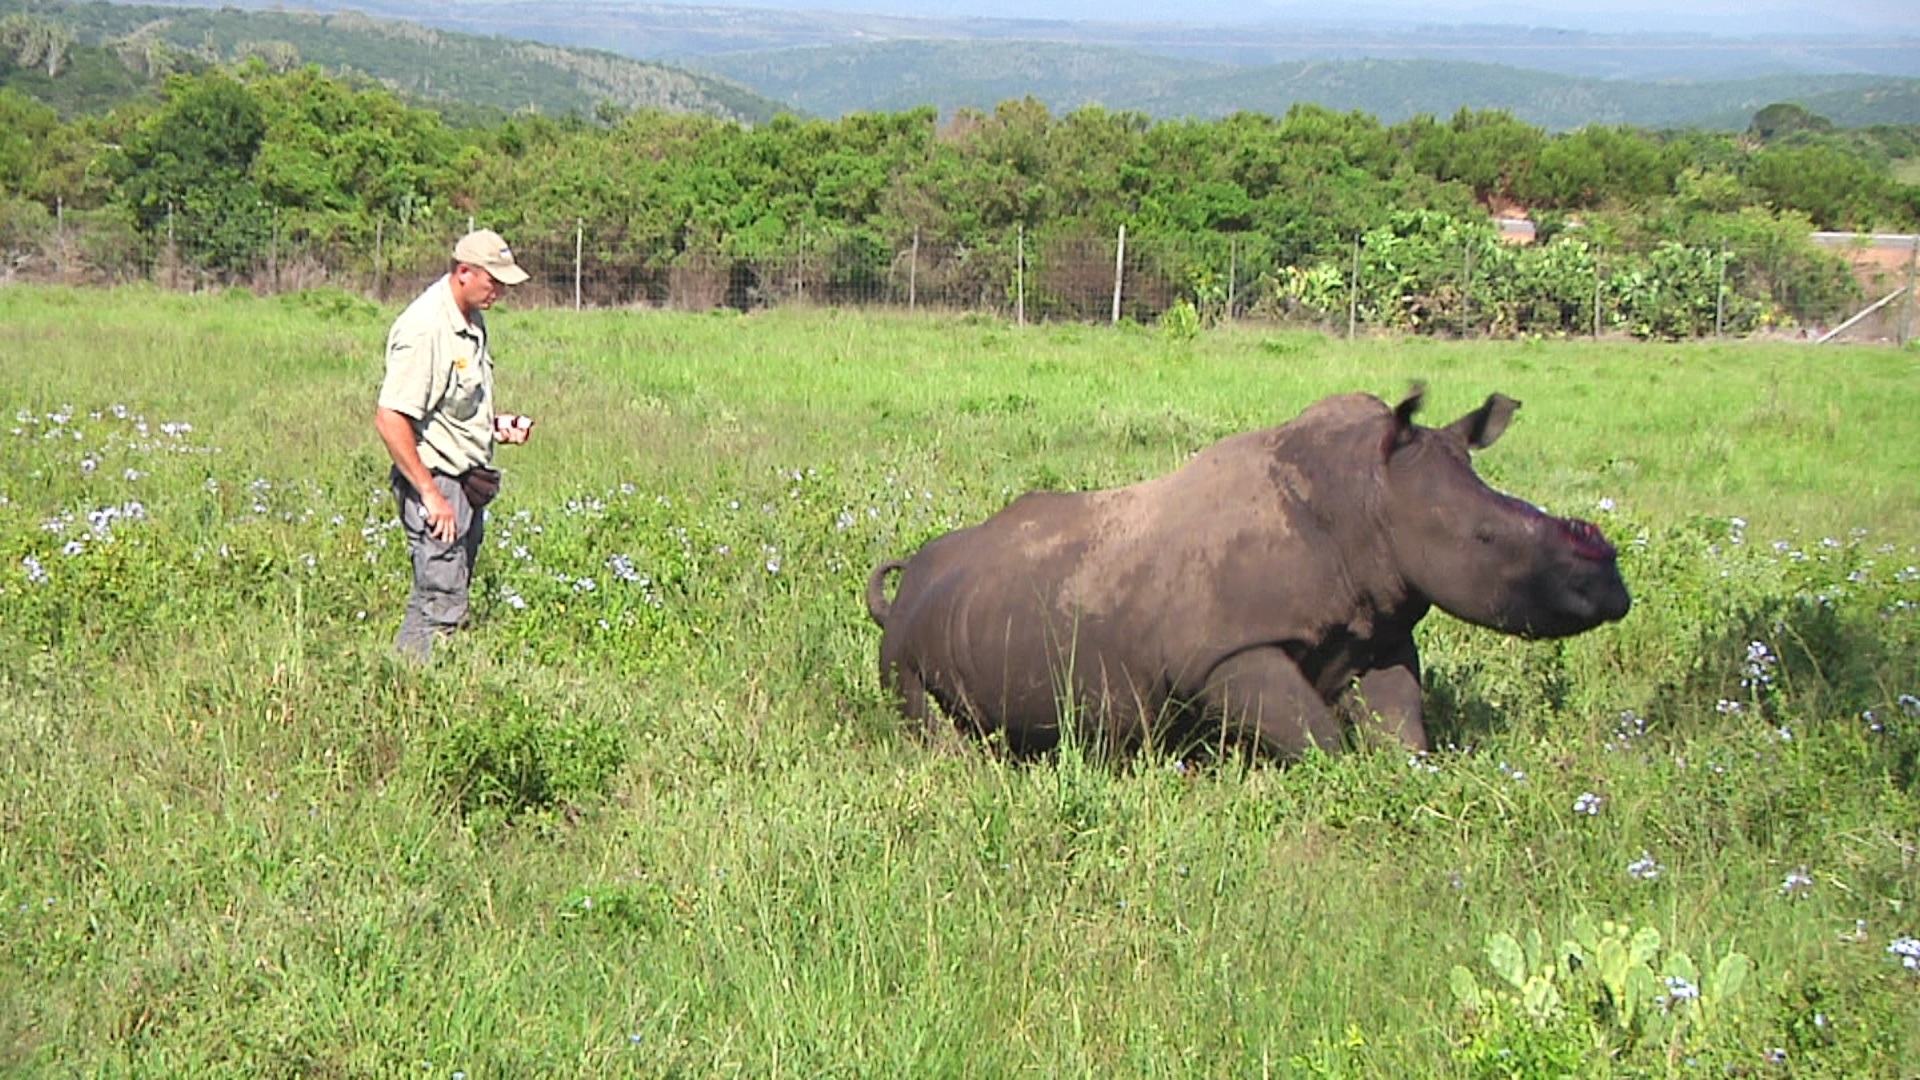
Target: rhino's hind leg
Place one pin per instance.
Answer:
(906, 687)
(1261, 697)
(911, 697)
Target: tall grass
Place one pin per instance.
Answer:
(652, 816)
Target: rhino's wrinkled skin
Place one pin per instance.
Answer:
(1251, 598)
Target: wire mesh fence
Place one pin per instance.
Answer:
(1458, 283)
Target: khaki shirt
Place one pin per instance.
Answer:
(439, 374)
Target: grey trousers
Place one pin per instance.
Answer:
(442, 571)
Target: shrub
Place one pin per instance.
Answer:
(519, 756)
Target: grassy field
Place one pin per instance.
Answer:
(652, 816)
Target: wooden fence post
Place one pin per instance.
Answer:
(1353, 291)
(1119, 272)
(1020, 275)
(1466, 289)
(1233, 275)
(1596, 294)
(1913, 297)
(1720, 297)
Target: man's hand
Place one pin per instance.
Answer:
(511, 429)
(440, 516)
(396, 431)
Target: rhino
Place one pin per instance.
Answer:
(1263, 596)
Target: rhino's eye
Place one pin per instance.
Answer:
(1484, 533)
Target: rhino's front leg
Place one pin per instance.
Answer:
(1386, 706)
(1260, 695)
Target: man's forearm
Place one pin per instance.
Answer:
(396, 430)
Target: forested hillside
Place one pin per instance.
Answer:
(1880, 103)
(239, 170)
(83, 57)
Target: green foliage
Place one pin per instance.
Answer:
(1683, 276)
(336, 304)
(25, 228)
(505, 754)
(337, 159)
(1836, 189)
(1674, 292)
(1519, 1050)
(24, 125)
(1181, 322)
(1782, 119)
(1607, 978)
(187, 172)
(1598, 165)
(1489, 150)
(1312, 294)
(35, 42)
(241, 170)
(1428, 272)
(1774, 275)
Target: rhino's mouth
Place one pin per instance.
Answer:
(1585, 539)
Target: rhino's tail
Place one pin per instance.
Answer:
(878, 606)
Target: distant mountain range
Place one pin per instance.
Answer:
(668, 32)
(1868, 18)
(746, 63)
(899, 75)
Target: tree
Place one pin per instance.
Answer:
(1488, 150)
(338, 157)
(1781, 119)
(1712, 191)
(26, 126)
(189, 165)
(1835, 189)
(36, 43)
(1597, 165)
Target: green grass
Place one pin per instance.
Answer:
(667, 825)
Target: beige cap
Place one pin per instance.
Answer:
(485, 249)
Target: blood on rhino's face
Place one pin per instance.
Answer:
(1486, 557)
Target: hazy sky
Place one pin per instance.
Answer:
(1731, 18)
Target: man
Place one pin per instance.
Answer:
(437, 418)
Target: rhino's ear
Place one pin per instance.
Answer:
(1485, 424)
(1403, 417)
(1403, 413)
